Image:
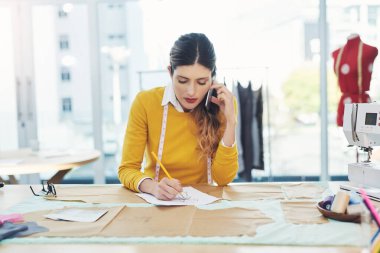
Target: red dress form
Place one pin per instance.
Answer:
(353, 66)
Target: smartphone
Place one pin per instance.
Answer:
(210, 106)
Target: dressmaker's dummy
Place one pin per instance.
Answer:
(353, 66)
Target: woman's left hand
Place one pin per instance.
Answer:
(225, 101)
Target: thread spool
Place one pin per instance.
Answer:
(327, 202)
(354, 198)
(355, 209)
(340, 202)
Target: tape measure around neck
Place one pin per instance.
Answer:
(360, 84)
(161, 148)
(360, 73)
(162, 140)
(209, 177)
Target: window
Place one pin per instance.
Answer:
(8, 114)
(64, 42)
(346, 18)
(310, 35)
(66, 105)
(64, 97)
(373, 15)
(353, 13)
(65, 74)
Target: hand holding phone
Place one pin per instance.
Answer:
(210, 93)
(210, 106)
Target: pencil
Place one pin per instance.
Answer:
(166, 172)
(162, 166)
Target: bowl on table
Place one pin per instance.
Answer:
(338, 216)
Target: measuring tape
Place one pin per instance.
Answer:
(161, 147)
(360, 54)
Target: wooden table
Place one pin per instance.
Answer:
(13, 194)
(26, 161)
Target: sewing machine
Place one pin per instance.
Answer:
(361, 126)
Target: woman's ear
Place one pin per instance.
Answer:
(170, 69)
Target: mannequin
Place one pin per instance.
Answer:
(353, 66)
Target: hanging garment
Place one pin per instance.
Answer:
(246, 111)
(235, 92)
(257, 130)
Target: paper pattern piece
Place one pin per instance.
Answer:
(254, 191)
(186, 221)
(303, 191)
(96, 194)
(195, 198)
(216, 191)
(161, 221)
(75, 214)
(151, 221)
(228, 222)
(302, 212)
(72, 229)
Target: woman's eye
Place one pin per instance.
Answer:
(202, 83)
(182, 81)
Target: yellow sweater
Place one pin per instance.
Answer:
(180, 153)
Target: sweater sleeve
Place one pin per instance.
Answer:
(225, 164)
(134, 146)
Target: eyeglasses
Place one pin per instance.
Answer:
(48, 189)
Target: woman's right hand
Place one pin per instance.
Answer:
(166, 189)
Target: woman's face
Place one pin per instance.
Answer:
(191, 83)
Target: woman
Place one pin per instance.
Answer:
(196, 145)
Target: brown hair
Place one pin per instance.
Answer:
(210, 128)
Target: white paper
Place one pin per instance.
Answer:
(10, 162)
(80, 215)
(195, 198)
